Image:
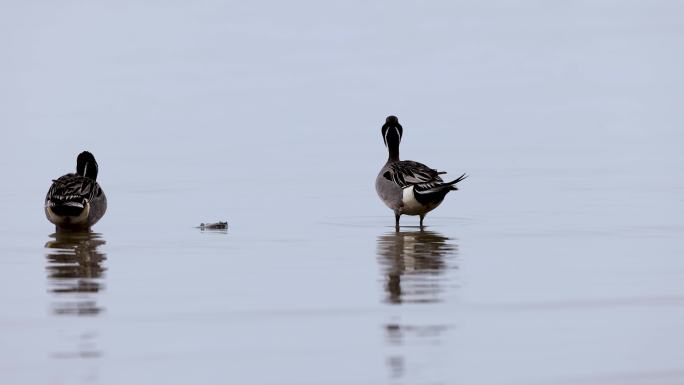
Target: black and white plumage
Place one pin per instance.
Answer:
(409, 187)
(76, 201)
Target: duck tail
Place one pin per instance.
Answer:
(452, 184)
(66, 206)
(435, 192)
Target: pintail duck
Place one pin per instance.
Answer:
(76, 201)
(409, 187)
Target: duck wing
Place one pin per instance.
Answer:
(72, 190)
(427, 184)
(408, 173)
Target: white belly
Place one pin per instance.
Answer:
(412, 206)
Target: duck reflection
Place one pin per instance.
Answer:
(75, 272)
(414, 263)
(415, 268)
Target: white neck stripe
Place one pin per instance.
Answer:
(387, 132)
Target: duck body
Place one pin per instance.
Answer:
(408, 187)
(76, 201)
(412, 188)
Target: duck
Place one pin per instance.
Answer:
(75, 201)
(405, 186)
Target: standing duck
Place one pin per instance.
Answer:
(409, 187)
(76, 201)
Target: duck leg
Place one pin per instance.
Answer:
(396, 221)
(421, 221)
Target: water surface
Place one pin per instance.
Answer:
(558, 262)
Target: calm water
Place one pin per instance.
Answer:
(560, 261)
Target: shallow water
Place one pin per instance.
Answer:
(558, 262)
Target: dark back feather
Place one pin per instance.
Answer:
(407, 173)
(73, 188)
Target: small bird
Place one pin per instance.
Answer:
(409, 187)
(76, 201)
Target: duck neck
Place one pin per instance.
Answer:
(393, 152)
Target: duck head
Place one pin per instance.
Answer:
(86, 165)
(391, 134)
